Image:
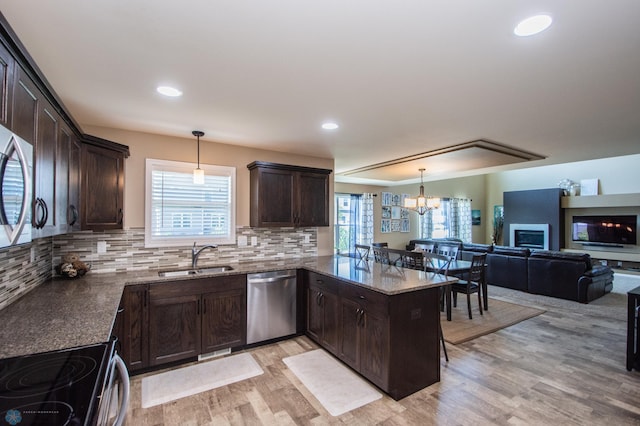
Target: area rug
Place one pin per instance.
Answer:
(500, 315)
(333, 384)
(186, 381)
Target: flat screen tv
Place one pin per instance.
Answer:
(605, 230)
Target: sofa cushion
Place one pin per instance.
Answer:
(507, 267)
(563, 255)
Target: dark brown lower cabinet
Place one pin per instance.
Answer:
(224, 317)
(194, 317)
(174, 327)
(165, 322)
(322, 310)
(132, 326)
(392, 340)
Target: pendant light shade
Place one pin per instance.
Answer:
(198, 174)
(421, 204)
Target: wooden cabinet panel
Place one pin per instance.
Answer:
(134, 341)
(102, 188)
(174, 328)
(73, 201)
(284, 195)
(190, 318)
(375, 352)
(322, 311)
(24, 111)
(349, 349)
(7, 64)
(224, 320)
(313, 199)
(44, 174)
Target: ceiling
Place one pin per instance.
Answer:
(402, 79)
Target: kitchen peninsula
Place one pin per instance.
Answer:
(386, 318)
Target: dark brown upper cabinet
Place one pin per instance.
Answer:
(6, 84)
(102, 187)
(284, 195)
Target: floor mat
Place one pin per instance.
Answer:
(500, 315)
(175, 384)
(337, 387)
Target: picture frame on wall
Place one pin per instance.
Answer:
(386, 212)
(475, 217)
(395, 226)
(396, 212)
(386, 199)
(405, 225)
(385, 226)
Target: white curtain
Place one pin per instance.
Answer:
(457, 219)
(365, 230)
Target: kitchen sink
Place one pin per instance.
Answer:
(198, 271)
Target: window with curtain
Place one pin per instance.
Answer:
(179, 212)
(451, 220)
(353, 221)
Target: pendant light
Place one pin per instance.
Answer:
(198, 174)
(421, 204)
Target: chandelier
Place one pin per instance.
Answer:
(421, 204)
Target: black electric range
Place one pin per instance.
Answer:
(54, 388)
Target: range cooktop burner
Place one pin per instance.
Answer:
(46, 375)
(52, 388)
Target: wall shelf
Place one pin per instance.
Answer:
(608, 200)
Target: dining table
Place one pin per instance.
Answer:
(457, 268)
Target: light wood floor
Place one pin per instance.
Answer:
(559, 368)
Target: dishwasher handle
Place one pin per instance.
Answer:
(270, 279)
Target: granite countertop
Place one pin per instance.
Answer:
(64, 313)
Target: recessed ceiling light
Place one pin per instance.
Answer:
(329, 126)
(533, 25)
(169, 91)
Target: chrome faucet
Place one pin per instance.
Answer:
(195, 253)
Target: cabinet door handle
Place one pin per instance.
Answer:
(74, 215)
(204, 307)
(198, 308)
(120, 216)
(46, 213)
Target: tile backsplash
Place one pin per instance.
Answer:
(24, 267)
(125, 250)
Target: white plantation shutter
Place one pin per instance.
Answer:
(180, 212)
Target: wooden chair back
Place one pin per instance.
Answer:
(413, 260)
(438, 263)
(448, 250)
(362, 252)
(424, 247)
(476, 272)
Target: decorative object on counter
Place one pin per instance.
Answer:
(421, 204)
(566, 185)
(72, 266)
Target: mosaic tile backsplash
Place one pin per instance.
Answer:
(25, 267)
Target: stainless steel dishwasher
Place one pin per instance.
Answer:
(271, 305)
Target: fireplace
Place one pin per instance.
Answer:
(529, 235)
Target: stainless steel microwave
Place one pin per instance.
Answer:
(16, 171)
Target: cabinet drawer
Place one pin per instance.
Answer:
(322, 282)
(369, 300)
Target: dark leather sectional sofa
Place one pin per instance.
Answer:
(560, 274)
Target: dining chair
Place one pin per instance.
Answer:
(424, 247)
(473, 283)
(436, 262)
(362, 252)
(375, 247)
(448, 250)
(413, 260)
